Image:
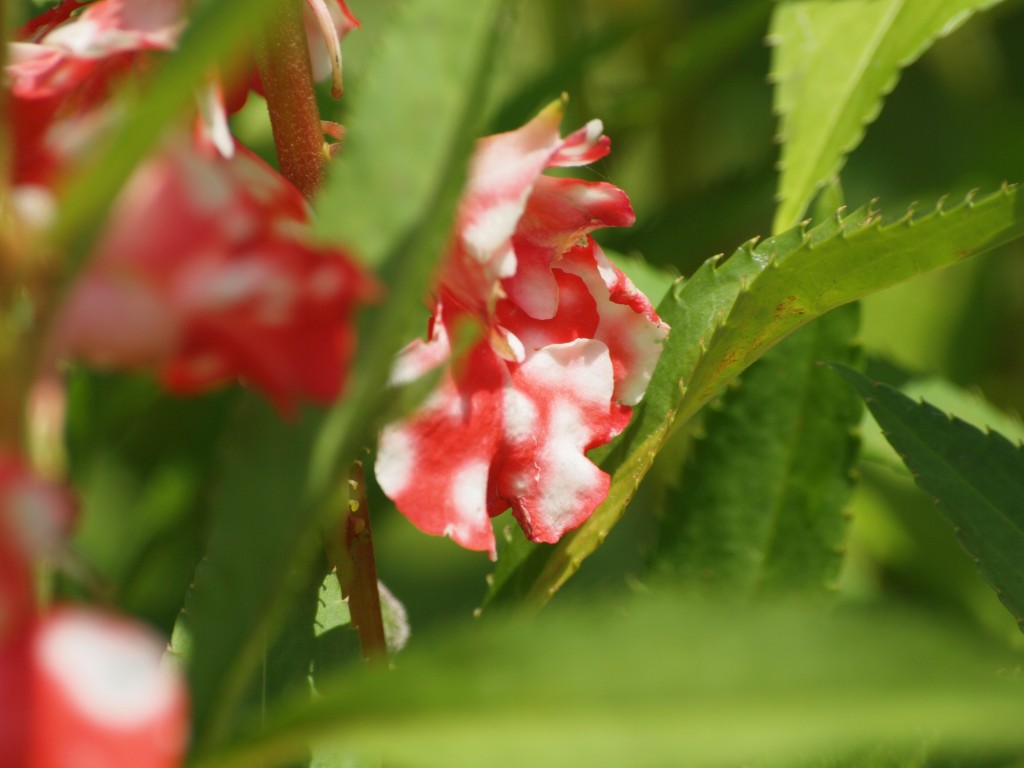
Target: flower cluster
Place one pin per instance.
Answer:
(94, 678)
(206, 271)
(568, 347)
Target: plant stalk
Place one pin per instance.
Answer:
(285, 71)
(349, 547)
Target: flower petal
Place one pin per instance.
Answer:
(435, 465)
(628, 326)
(543, 472)
(502, 174)
(583, 146)
(569, 346)
(102, 696)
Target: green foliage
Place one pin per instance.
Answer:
(260, 547)
(761, 505)
(141, 462)
(968, 406)
(975, 478)
(663, 679)
(399, 138)
(834, 63)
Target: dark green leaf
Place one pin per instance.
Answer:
(976, 479)
(141, 463)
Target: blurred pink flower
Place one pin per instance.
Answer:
(569, 346)
(79, 688)
(65, 67)
(207, 272)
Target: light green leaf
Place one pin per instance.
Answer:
(398, 140)
(976, 479)
(760, 507)
(333, 612)
(834, 61)
(658, 681)
(730, 313)
(841, 261)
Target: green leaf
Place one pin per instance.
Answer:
(659, 681)
(838, 262)
(976, 479)
(141, 464)
(761, 505)
(731, 312)
(834, 61)
(571, 62)
(398, 140)
(967, 405)
(256, 561)
(333, 612)
(337, 642)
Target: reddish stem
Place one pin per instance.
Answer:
(287, 77)
(350, 548)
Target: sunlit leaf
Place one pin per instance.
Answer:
(834, 61)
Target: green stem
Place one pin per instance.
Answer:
(282, 58)
(349, 547)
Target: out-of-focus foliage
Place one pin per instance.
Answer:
(667, 681)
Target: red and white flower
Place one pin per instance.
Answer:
(65, 67)
(79, 688)
(207, 273)
(569, 346)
